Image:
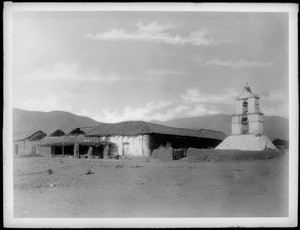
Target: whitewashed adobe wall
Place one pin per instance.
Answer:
(26, 147)
(130, 145)
(255, 123)
(236, 126)
(44, 150)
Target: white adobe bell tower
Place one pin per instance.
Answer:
(247, 125)
(247, 119)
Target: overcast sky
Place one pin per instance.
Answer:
(116, 66)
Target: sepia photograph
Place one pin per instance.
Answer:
(150, 115)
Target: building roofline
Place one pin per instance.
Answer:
(27, 137)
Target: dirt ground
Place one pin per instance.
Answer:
(66, 187)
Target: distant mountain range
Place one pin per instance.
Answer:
(274, 126)
(24, 121)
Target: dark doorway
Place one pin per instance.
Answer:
(83, 149)
(69, 149)
(57, 150)
(98, 151)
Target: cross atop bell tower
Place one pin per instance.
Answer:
(247, 87)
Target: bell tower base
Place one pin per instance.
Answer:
(252, 142)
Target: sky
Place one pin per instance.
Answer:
(117, 66)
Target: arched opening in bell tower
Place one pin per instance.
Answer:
(245, 125)
(244, 121)
(245, 107)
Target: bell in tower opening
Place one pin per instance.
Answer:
(247, 119)
(247, 125)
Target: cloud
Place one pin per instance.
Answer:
(169, 111)
(148, 112)
(236, 64)
(281, 109)
(191, 103)
(48, 103)
(200, 109)
(277, 95)
(194, 95)
(73, 72)
(275, 102)
(154, 27)
(161, 72)
(156, 33)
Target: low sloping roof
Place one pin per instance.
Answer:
(27, 134)
(70, 140)
(133, 128)
(213, 134)
(57, 133)
(59, 140)
(80, 130)
(246, 93)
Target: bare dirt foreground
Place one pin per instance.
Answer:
(66, 187)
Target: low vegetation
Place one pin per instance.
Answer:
(195, 155)
(214, 155)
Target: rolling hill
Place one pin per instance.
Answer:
(25, 121)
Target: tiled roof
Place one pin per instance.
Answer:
(132, 128)
(71, 140)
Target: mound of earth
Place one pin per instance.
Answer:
(247, 142)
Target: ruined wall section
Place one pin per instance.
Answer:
(26, 147)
